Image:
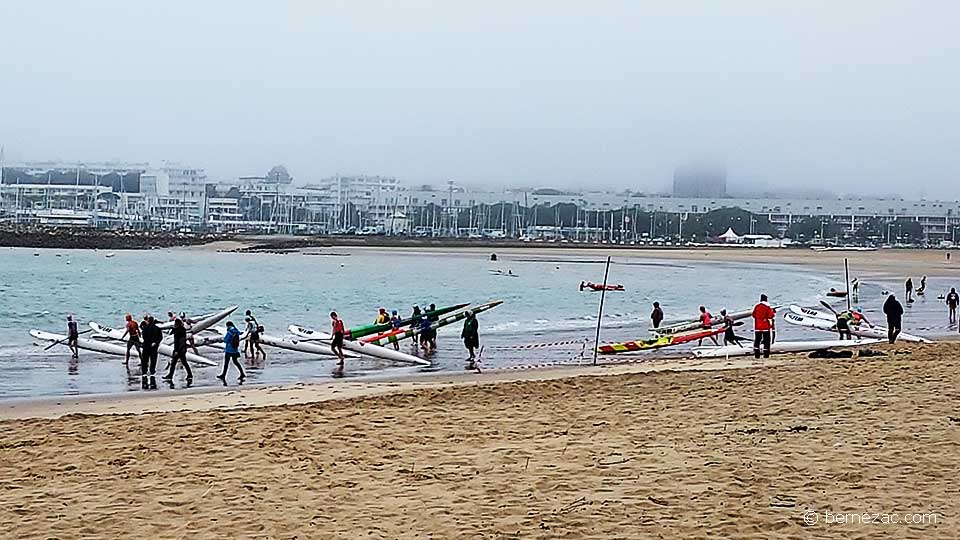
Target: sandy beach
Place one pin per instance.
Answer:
(674, 450)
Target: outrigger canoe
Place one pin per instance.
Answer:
(394, 336)
(367, 349)
(115, 349)
(864, 331)
(165, 348)
(361, 331)
(680, 327)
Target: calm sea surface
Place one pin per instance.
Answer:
(38, 288)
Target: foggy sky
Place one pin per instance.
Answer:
(841, 95)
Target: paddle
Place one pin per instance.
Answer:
(828, 306)
(60, 341)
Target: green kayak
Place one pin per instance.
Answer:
(361, 331)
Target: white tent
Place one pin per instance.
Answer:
(729, 236)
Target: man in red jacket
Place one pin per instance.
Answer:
(763, 319)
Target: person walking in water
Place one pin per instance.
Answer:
(132, 335)
(231, 351)
(953, 299)
(250, 329)
(336, 344)
(706, 321)
(656, 316)
(471, 334)
(73, 336)
(152, 337)
(763, 321)
(893, 309)
(855, 288)
(908, 287)
(396, 323)
(179, 351)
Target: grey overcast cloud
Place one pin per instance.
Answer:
(855, 97)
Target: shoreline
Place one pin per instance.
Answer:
(207, 398)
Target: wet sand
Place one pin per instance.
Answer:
(680, 451)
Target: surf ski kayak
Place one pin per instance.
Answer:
(810, 312)
(361, 331)
(863, 331)
(781, 347)
(393, 337)
(165, 348)
(367, 349)
(307, 347)
(657, 343)
(600, 287)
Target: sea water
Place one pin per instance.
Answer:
(542, 304)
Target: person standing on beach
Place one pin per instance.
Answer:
(231, 352)
(471, 334)
(893, 309)
(953, 299)
(179, 351)
(657, 315)
(73, 336)
(336, 344)
(132, 335)
(908, 286)
(763, 321)
(152, 337)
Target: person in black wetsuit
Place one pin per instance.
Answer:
(471, 334)
(894, 312)
(179, 351)
(152, 336)
(656, 315)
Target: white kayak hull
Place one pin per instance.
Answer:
(366, 349)
(876, 332)
(815, 313)
(165, 349)
(780, 347)
(306, 347)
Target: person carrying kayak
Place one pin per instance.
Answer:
(844, 320)
(396, 324)
(179, 351)
(132, 335)
(706, 320)
(893, 309)
(953, 299)
(656, 315)
(415, 322)
(231, 351)
(382, 317)
(729, 336)
(764, 317)
(427, 335)
(471, 334)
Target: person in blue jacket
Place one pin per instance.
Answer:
(231, 342)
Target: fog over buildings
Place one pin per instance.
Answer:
(852, 97)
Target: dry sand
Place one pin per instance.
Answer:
(737, 453)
